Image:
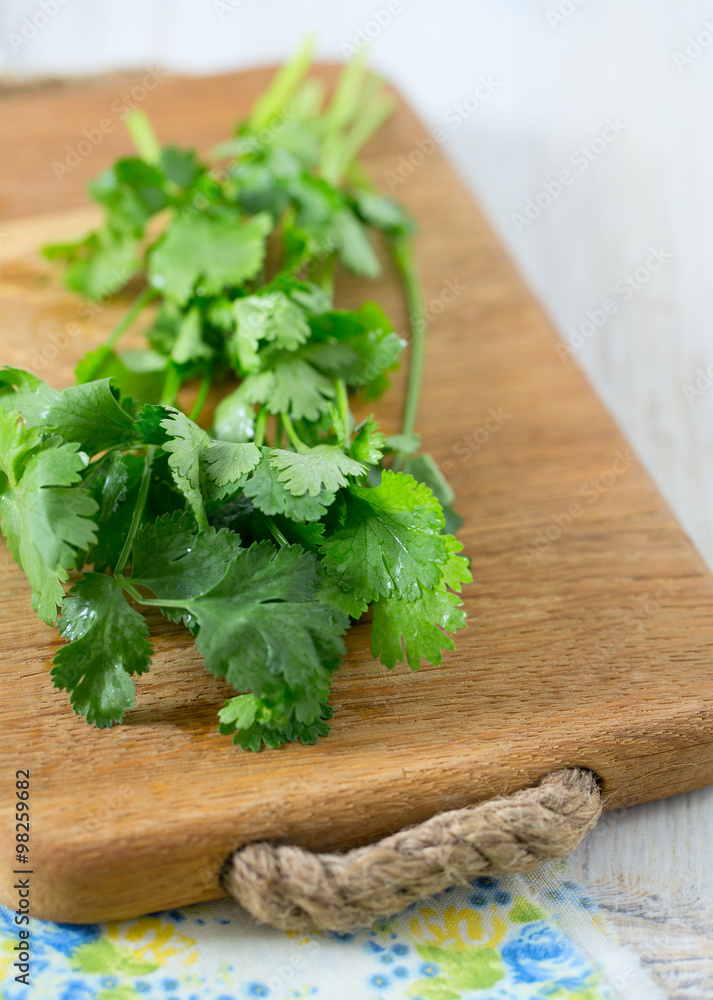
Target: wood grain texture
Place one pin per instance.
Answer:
(590, 626)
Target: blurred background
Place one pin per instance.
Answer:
(617, 99)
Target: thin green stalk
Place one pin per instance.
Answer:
(375, 113)
(127, 320)
(325, 274)
(283, 86)
(405, 260)
(260, 426)
(278, 433)
(203, 391)
(138, 510)
(276, 533)
(143, 136)
(170, 387)
(292, 434)
(343, 402)
(126, 584)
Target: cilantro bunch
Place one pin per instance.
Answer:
(269, 533)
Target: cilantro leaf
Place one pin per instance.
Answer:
(45, 516)
(107, 484)
(354, 245)
(314, 470)
(131, 191)
(204, 469)
(174, 561)
(107, 641)
(226, 465)
(100, 263)
(213, 250)
(455, 570)
(26, 394)
(185, 446)
(262, 629)
(271, 496)
(417, 624)
(88, 414)
(358, 346)
(255, 721)
(189, 344)
(390, 542)
(369, 443)
(329, 592)
(113, 482)
(292, 386)
(384, 213)
(424, 469)
(234, 418)
(404, 444)
(272, 318)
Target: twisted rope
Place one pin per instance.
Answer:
(293, 889)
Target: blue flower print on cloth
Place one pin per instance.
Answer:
(520, 937)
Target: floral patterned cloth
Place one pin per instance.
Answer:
(520, 937)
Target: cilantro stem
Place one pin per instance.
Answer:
(127, 320)
(378, 107)
(276, 533)
(343, 401)
(286, 80)
(143, 136)
(292, 434)
(152, 601)
(278, 433)
(405, 261)
(325, 276)
(171, 387)
(260, 427)
(138, 510)
(203, 391)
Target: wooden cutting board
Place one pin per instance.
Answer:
(591, 616)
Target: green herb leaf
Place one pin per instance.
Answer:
(211, 250)
(45, 516)
(292, 386)
(411, 630)
(175, 561)
(266, 594)
(424, 469)
(390, 542)
(107, 641)
(315, 470)
(271, 496)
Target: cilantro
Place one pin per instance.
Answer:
(204, 469)
(267, 593)
(417, 624)
(271, 496)
(313, 470)
(273, 318)
(424, 469)
(369, 443)
(255, 721)
(265, 518)
(293, 386)
(45, 516)
(107, 641)
(213, 250)
(390, 542)
(173, 560)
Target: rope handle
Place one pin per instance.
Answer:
(294, 889)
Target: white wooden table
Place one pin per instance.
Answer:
(619, 98)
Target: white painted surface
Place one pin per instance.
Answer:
(556, 84)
